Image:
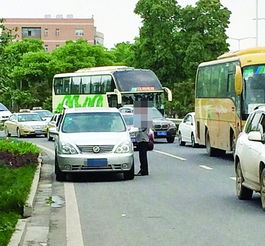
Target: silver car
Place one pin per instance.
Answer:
(93, 140)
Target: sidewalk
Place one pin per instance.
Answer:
(36, 227)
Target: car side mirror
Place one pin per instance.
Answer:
(53, 131)
(255, 136)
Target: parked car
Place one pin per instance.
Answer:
(93, 140)
(187, 131)
(25, 124)
(162, 127)
(43, 113)
(51, 125)
(4, 113)
(128, 117)
(249, 157)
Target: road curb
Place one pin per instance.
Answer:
(18, 236)
(28, 207)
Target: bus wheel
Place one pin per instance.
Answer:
(209, 149)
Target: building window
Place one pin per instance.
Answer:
(57, 46)
(79, 32)
(31, 32)
(46, 47)
(57, 32)
(46, 32)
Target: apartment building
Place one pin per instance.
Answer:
(55, 31)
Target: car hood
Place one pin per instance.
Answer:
(33, 123)
(95, 138)
(161, 120)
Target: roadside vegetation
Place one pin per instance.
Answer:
(18, 162)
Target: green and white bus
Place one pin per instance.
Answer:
(110, 86)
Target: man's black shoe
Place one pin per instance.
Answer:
(141, 173)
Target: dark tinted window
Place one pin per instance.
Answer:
(137, 80)
(253, 123)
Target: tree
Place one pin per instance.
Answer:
(123, 53)
(174, 40)
(79, 54)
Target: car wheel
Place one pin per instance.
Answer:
(170, 139)
(19, 133)
(181, 143)
(243, 193)
(129, 175)
(262, 190)
(48, 136)
(60, 176)
(7, 132)
(193, 144)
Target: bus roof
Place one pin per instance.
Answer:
(246, 57)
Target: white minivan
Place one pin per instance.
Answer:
(93, 140)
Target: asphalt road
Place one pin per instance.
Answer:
(188, 199)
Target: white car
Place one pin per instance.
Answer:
(187, 131)
(4, 113)
(249, 157)
(93, 140)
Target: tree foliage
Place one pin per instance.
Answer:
(174, 40)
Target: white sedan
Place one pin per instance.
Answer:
(250, 158)
(187, 131)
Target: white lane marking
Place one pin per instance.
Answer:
(174, 156)
(233, 178)
(73, 226)
(206, 167)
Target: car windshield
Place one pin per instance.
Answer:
(3, 108)
(128, 119)
(44, 113)
(93, 122)
(156, 114)
(29, 117)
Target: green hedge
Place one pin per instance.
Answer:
(18, 162)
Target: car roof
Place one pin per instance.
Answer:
(91, 109)
(23, 113)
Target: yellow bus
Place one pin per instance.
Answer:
(227, 90)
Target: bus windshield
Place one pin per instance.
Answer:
(254, 93)
(137, 80)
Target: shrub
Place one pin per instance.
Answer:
(16, 154)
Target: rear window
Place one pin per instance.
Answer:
(93, 122)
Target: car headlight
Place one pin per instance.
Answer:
(67, 148)
(172, 124)
(26, 127)
(124, 148)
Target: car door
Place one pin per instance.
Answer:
(251, 151)
(187, 128)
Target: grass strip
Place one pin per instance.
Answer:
(15, 184)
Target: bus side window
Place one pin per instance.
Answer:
(96, 85)
(85, 85)
(107, 83)
(66, 85)
(75, 85)
(58, 85)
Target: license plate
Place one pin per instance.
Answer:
(100, 162)
(161, 133)
(133, 140)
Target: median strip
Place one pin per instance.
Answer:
(170, 155)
